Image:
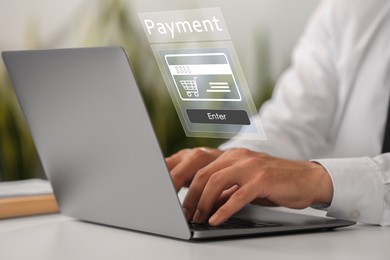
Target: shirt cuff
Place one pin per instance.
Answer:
(358, 191)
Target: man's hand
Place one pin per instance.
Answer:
(224, 182)
(186, 163)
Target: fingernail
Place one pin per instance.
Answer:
(196, 216)
(213, 221)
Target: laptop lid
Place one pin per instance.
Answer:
(95, 139)
(99, 150)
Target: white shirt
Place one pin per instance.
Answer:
(332, 103)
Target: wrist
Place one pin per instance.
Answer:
(323, 185)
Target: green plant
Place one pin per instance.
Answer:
(18, 158)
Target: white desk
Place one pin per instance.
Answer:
(56, 237)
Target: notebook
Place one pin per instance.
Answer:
(100, 152)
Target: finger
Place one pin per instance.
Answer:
(183, 173)
(265, 202)
(199, 200)
(214, 188)
(194, 192)
(196, 159)
(237, 201)
(224, 198)
(199, 182)
(173, 160)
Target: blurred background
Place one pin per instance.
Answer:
(264, 33)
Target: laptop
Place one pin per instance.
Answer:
(101, 155)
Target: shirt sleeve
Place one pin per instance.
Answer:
(298, 117)
(361, 189)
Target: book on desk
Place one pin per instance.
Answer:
(26, 198)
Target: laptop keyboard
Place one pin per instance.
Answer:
(232, 223)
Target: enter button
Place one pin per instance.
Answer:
(229, 117)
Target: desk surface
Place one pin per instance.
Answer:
(59, 237)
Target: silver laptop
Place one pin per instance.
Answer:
(100, 153)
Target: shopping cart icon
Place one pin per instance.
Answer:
(203, 77)
(191, 87)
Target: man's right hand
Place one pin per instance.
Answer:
(223, 182)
